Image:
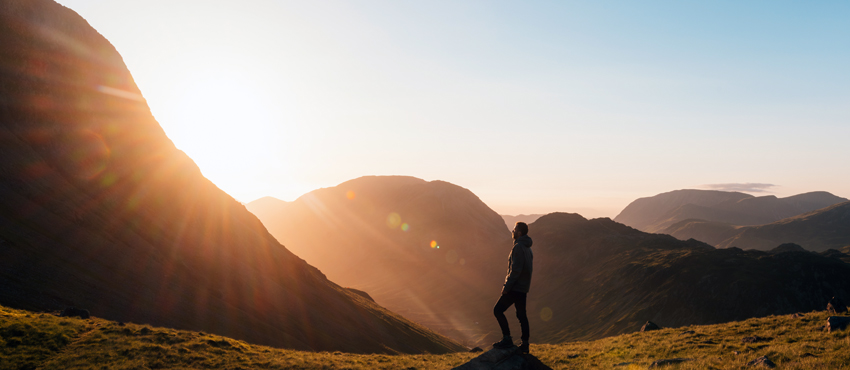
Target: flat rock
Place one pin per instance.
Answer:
(497, 358)
(668, 361)
(762, 361)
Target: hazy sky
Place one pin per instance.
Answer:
(534, 106)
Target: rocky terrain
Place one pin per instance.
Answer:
(101, 211)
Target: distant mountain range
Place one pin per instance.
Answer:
(593, 278)
(596, 278)
(510, 221)
(431, 251)
(659, 212)
(101, 211)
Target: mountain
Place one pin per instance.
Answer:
(592, 278)
(100, 210)
(597, 278)
(432, 251)
(510, 221)
(824, 229)
(657, 213)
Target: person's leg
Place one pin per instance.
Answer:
(502, 305)
(519, 303)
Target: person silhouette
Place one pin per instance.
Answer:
(515, 289)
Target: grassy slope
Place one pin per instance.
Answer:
(37, 340)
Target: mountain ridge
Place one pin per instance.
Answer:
(657, 213)
(102, 211)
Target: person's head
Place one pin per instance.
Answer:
(520, 229)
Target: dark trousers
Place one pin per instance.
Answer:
(518, 300)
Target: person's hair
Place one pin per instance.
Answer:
(522, 227)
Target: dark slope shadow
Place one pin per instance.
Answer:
(535, 363)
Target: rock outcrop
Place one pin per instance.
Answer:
(503, 359)
(835, 306)
(649, 326)
(835, 323)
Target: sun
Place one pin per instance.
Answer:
(227, 122)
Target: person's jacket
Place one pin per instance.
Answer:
(519, 266)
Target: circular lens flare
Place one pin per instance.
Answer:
(405, 227)
(451, 256)
(393, 220)
(546, 314)
(433, 244)
(350, 195)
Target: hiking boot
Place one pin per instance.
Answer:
(506, 342)
(523, 347)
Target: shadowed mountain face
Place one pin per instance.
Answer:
(431, 251)
(101, 211)
(824, 229)
(596, 278)
(657, 213)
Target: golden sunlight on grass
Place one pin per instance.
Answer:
(39, 340)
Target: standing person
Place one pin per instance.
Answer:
(515, 290)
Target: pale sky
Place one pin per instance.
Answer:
(535, 106)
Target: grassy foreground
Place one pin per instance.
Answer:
(44, 341)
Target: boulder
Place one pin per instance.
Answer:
(75, 312)
(762, 361)
(503, 359)
(649, 326)
(835, 305)
(834, 323)
(668, 361)
(476, 349)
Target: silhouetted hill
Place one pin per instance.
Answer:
(824, 229)
(657, 213)
(596, 278)
(375, 234)
(510, 221)
(101, 211)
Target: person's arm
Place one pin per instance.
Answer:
(517, 264)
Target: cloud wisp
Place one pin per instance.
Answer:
(745, 187)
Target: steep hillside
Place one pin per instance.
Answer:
(431, 251)
(101, 211)
(824, 229)
(596, 278)
(657, 213)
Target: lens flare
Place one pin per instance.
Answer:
(451, 256)
(462, 262)
(350, 195)
(433, 244)
(405, 227)
(90, 156)
(393, 220)
(546, 314)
